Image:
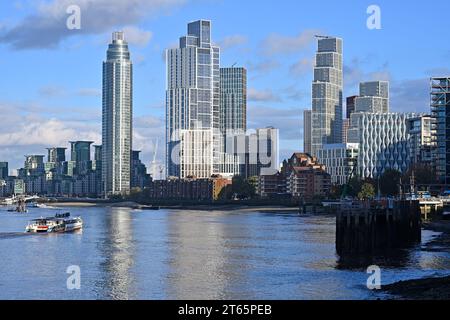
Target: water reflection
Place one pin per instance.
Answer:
(196, 257)
(125, 254)
(117, 247)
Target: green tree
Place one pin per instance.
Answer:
(367, 191)
(243, 188)
(424, 175)
(390, 182)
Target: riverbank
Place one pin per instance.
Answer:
(427, 288)
(225, 207)
(421, 289)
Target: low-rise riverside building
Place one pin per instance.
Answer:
(190, 189)
(301, 177)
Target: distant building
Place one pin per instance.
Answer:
(327, 88)
(117, 117)
(383, 142)
(301, 177)
(139, 177)
(19, 187)
(373, 97)
(340, 160)
(233, 100)
(272, 186)
(350, 106)
(257, 152)
(421, 140)
(81, 156)
(196, 152)
(4, 170)
(345, 127)
(440, 104)
(307, 131)
(56, 155)
(34, 166)
(190, 189)
(305, 177)
(193, 104)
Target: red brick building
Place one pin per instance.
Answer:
(301, 176)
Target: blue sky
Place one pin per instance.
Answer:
(50, 89)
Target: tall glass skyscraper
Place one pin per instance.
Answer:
(327, 87)
(233, 100)
(192, 104)
(117, 117)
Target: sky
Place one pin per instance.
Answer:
(50, 88)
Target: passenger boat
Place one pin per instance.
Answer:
(59, 223)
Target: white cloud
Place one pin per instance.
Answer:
(303, 66)
(261, 95)
(232, 41)
(137, 36)
(280, 44)
(89, 92)
(47, 27)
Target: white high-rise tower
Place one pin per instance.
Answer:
(192, 105)
(117, 117)
(327, 87)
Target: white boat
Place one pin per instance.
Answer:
(59, 223)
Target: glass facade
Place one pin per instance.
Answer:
(193, 96)
(327, 96)
(117, 117)
(233, 100)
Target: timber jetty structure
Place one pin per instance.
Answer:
(376, 227)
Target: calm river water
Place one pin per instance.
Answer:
(131, 254)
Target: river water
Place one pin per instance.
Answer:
(132, 254)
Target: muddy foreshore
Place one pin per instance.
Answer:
(427, 288)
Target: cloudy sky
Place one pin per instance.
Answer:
(50, 84)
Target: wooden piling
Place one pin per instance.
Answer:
(368, 229)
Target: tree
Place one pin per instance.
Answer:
(367, 191)
(390, 182)
(243, 188)
(424, 175)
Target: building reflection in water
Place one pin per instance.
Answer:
(201, 258)
(117, 248)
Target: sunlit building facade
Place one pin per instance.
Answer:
(193, 99)
(327, 87)
(117, 117)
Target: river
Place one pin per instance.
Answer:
(131, 254)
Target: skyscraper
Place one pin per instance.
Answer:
(440, 109)
(327, 97)
(373, 97)
(80, 156)
(117, 117)
(233, 100)
(4, 171)
(307, 131)
(192, 104)
(56, 155)
(350, 106)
